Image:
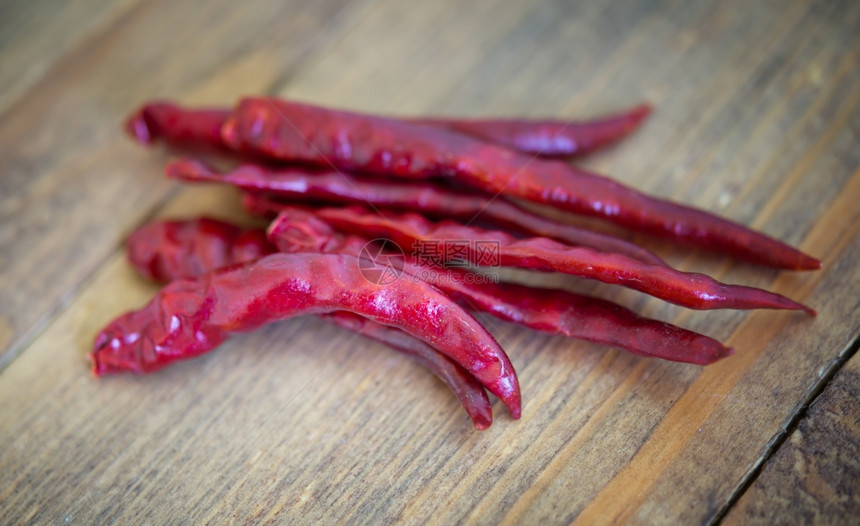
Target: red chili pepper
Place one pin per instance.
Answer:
(168, 250)
(186, 129)
(553, 311)
(471, 394)
(296, 184)
(172, 250)
(322, 137)
(198, 128)
(547, 138)
(695, 291)
(190, 317)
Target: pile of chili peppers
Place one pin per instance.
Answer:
(339, 188)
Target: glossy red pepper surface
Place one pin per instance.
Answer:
(470, 393)
(295, 184)
(168, 250)
(695, 291)
(444, 168)
(193, 127)
(197, 129)
(547, 137)
(300, 133)
(190, 317)
(554, 311)
(172, 250)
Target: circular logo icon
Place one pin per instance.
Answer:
(381, 261)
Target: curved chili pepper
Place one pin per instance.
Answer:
(349, 141)
(431, 199)
(546, 310)
(469, 392)
(547, 138)
(190, 317)
(553, 311)
(185, 127)
(695, 291)
(170, 250)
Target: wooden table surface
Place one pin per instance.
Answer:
(757, 119)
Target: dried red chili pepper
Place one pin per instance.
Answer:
(196, 129)
(185, 127)
(695, 291)
(296, 184)
(191, 317)
(553, 311)
(168, 250)
(171, 250)
(544, 137)
(469, 392)
(349, 141)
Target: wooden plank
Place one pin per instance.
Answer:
(299, 422)
(36, 33)
(64, 161)
(738, 149)
(812, 478)
(734, 402)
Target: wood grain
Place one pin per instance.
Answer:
(72, 184)
(813, 478)
(758, 117)
(34, 34)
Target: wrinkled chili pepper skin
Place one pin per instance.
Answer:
(691, 290)
(193, 128)
(196, 129)
(471, 394)
(167, 250)
(191, 317)
(301, 133)
(590, 319)
(547, 138)
(552, 311)
(556, 312)
(170, 250)
(295, 184)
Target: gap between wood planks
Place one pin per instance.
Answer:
(776, 443)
